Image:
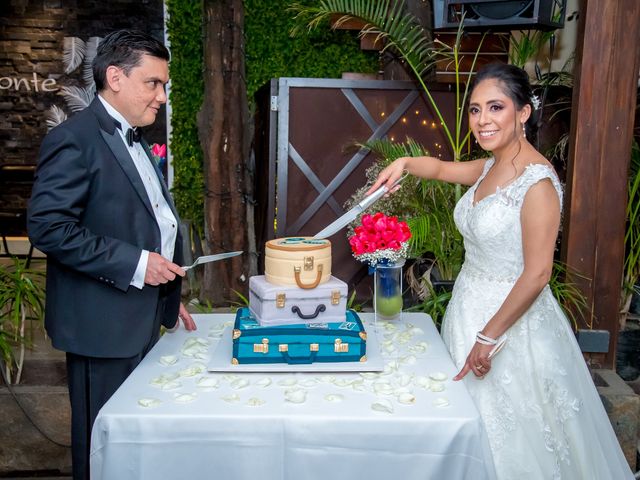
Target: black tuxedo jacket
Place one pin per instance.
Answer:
(90, 213)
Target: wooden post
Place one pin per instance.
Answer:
(604, 99)
(222, 126)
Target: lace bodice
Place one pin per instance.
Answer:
(491, 228)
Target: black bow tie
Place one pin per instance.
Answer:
(132, 135)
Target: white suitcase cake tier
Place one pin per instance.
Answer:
(286, 305)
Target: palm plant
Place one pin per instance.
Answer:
(631, 267)
(569, 296)
(21, 300)
(401, 33)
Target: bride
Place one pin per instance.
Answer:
(504, 329)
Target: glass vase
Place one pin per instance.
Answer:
(387, 293)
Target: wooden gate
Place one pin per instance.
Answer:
(307, 164)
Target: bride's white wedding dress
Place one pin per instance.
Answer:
(542, 413)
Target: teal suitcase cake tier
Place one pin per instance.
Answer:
(299, 343)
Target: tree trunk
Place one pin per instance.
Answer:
(223, 131)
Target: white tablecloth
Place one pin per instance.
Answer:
(220, 435)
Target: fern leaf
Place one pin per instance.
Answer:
(77, 98)
(54, 117)
(73, 53)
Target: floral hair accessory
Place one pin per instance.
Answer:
(535, 102)
(380, 239)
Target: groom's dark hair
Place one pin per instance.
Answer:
(124, 49)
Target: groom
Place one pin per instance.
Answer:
(104, 217)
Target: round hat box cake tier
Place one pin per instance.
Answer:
(301, 261)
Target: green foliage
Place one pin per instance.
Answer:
(184, 28)
(569, 296)
(632, 234)
(434, 305)
(21, 300)
(526, 45)
(403, 34)
(426, 205)
(272, 53)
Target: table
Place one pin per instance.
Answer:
(241, 426)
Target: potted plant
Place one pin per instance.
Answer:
(21, 303)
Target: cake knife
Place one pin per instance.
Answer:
(212, 258)
(352, 214)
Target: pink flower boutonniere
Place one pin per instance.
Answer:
(159, 152)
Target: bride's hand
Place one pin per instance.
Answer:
(389, 175)
(477, 362)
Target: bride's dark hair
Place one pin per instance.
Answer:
(516, 86)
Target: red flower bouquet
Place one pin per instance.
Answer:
(380, 239)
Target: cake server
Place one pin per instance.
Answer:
(352, 214)
(212, 258)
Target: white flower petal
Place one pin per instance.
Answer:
(334, 397)
(407, 398)
(239, 383)
(424, 382)
(255, 402)
(287, 382)
(295, 396)
(440, 402)
(436, 386)
(264, 382)
(184, 397)
(408, 360)
(438, 376)
(149, 402)
(382, 388)
(207, 382)
(172, 385)
(233, 398)
(382, 405)
(193, 370)
(168, 360)
(343, 382)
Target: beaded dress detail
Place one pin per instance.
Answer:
(541, 411)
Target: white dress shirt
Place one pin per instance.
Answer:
(164, 216)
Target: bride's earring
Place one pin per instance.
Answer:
(524, 131)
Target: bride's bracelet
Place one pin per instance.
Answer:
(484, 340)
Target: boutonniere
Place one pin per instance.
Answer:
(159, 153)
